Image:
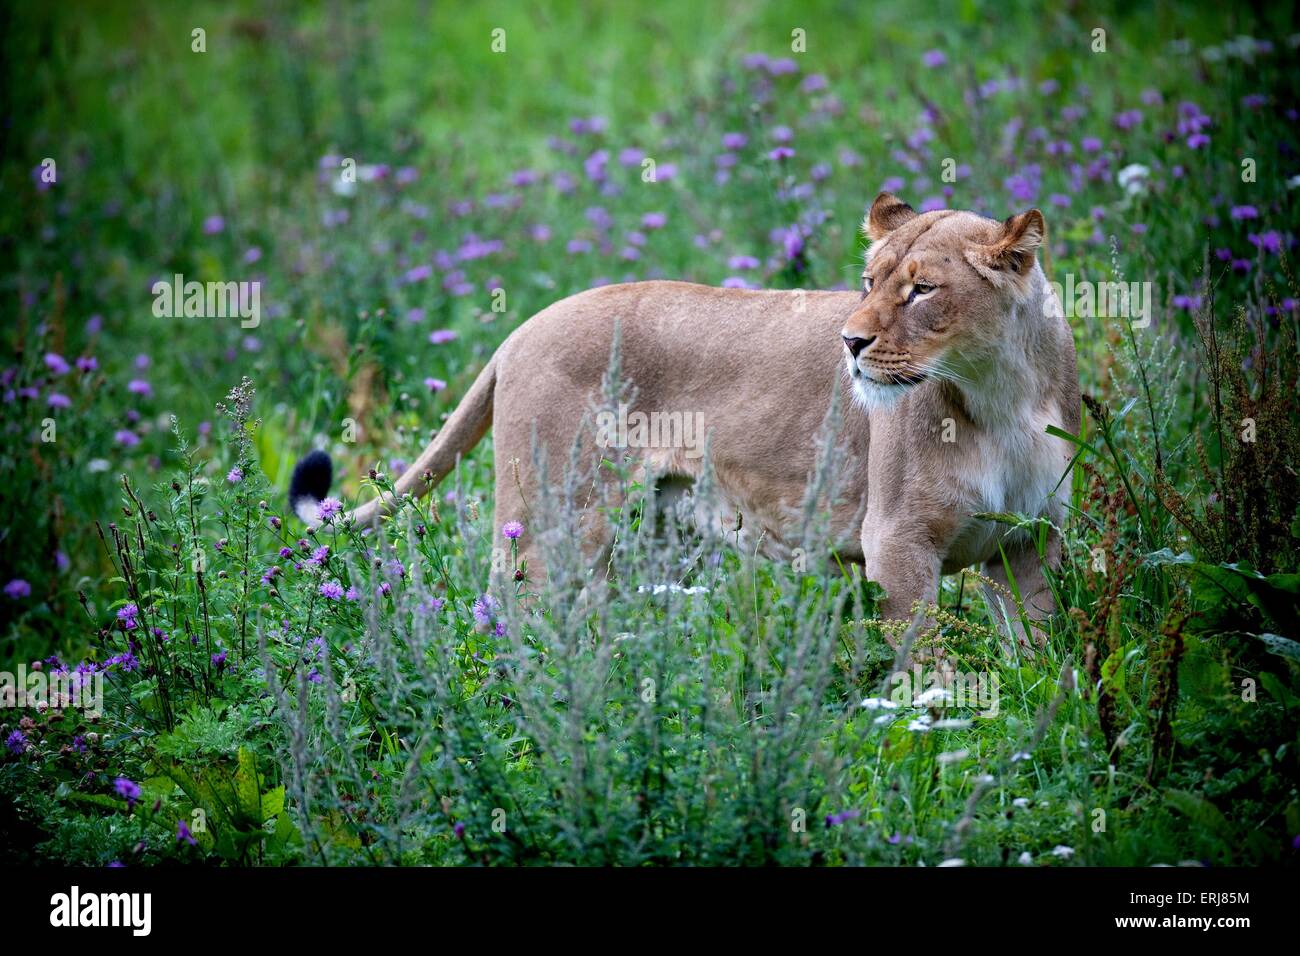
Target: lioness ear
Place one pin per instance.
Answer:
(1011, 255)
(887, 213)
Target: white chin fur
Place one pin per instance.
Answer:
(307, 510)
(873, 395)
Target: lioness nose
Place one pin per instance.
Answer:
(856, 345)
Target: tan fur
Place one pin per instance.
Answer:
(978, 361)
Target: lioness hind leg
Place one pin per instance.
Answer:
(571, 527)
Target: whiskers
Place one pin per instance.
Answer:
(941, 369)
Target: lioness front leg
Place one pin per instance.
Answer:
(905, 563)
(1027, 570)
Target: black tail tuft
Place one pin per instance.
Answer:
(310, 484)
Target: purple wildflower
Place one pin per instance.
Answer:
(835, 819)
(1270, 241)
(129, 615)
(484, 609)
(128, 789)
(17, 588)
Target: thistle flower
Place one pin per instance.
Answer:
(332, 590)
(17, 588)
(484, 610)
(128, 615)
(512, 529)
(127, 789)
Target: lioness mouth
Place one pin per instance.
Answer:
(898, 378)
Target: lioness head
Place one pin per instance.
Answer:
(939, 289)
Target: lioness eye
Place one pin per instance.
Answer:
(920, 288)
(866, 283)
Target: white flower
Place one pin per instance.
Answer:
(1021, 802)
(1133, 178)
(953, 756)
(1026, 859)
(921, 724)
(1064, 852)
(879, 703)
(1017, 757)
(950, 723)
(673, 588)
(955, 861)
(96, 465)
(933, 694)
(1293, 182)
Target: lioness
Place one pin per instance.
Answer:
(953, 366)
